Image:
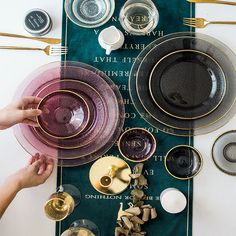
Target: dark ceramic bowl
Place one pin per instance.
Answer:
(183, 162)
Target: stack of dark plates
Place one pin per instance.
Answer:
(185, 84)
(83, 113)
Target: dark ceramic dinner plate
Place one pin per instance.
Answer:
(217, 114)
(187, 84)
(224, 152)
(183, 162)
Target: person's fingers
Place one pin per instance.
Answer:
(34, 158)
(46, 110)
(37, 156)
(36, 165)
(32, 106)
(50, 161)
(42, 168)
(48, 170)
(31, 160)
(32, 118)
(24, 102)
(31, 113)
(43, 165)
(30, 123)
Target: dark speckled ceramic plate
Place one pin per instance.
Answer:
(187, 84)
(217, 56)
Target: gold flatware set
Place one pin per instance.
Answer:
(213, 1)
(201, 22)
(45, 40)
(50, 50)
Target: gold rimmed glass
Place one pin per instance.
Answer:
(82, 227)
(62, 203)
(139, 17)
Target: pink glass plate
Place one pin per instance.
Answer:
(113, 138)
(98, 111)
(96, 79)
(65, 114)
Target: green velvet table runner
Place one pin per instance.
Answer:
(84, 47)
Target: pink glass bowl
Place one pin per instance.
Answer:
(65, 114)
(98, 115)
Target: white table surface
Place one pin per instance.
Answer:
(214, 209)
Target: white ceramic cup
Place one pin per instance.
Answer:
(111, 39)
(173, 200)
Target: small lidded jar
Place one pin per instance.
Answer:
(37, 22)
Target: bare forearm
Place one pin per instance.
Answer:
(8, 192)
(2, 119)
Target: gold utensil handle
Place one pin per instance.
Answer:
(19, 48)
(45, 40)
(224, 22)
(214, 1)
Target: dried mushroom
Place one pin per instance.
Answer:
(142, 181)
(134, 176)
(134, 210)
(131, 219)
(137, 220)
(128, 224)
(138, 169)
(139, 194)
(146, 214)
(138, 234)
(121, 212)
(121, 232)
(137, 228)
(153, 213)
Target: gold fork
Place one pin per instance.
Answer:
(45, 40)
(202, 23)
(213, 1)
(49, 50)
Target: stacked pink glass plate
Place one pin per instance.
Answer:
(85, 92)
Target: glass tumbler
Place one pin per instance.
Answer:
(139, 17)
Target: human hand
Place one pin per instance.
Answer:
(35, 173)
(22, 111)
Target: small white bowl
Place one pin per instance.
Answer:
(173, 200)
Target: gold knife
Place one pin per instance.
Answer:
(213, 1)
(45, 40)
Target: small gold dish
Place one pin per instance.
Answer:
(110, 175)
